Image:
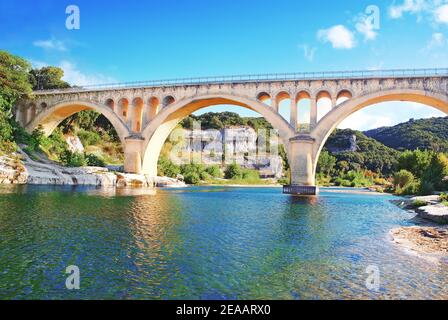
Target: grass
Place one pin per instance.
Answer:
(445, 203)
(419, 203)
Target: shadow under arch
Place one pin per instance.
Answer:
(156, 133)
(331, 120)
(51, 117)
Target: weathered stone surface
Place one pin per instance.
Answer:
(436, 213)
(429, 242)
(164, 182)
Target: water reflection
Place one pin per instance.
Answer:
(196, 243)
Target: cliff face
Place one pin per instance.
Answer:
(240, 144)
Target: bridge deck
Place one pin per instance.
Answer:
(274, 77)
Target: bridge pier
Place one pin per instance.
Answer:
(133, 155)
(301, 165)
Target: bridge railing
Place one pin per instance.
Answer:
(296, 76)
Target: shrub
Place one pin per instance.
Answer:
(444, 197)
(283, 181)
(167, 168)
(72, 159)
(426, 188)
(233, 171)
(418, 203)
(88, 138)
(192, 178)
(204, 176)
(214, 171)
(403, 178)
(94, 161)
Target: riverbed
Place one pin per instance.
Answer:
(206, 243)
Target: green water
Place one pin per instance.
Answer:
(206, 243)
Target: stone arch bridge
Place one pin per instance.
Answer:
(144, 113)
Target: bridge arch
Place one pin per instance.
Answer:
(156, 133)
(329, 123)
(52, 116)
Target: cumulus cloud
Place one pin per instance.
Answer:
(50, 44)
(74, 76)
(441, 14)
(339, 36)
(388, 114)
(408, 6)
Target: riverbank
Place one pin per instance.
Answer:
(429, 238)
(19, 168)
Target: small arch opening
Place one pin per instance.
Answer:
(283, 101)
(137, 103)
(264, 97)
(303, 103)
(110, 103)
(323, 99)
(153, 104)
(343, 96)
(168, 100)
(124, 108)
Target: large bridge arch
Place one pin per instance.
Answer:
(156, 133)
(52, 116)
(329, 123)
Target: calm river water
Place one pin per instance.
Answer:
(205, 243)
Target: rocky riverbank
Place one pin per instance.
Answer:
(430, 243)
(429, 239)
(426, 207)
(19, 168)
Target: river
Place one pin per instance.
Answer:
(206, 243)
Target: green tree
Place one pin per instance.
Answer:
(326, 163)
(233, 171)
(14, 85)
(416, 161)
(48, 78)
(436, 172)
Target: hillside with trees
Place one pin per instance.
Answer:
(424, 134)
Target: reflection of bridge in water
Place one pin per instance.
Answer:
(144, 113)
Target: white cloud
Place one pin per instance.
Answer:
(364, 120)
(50, 44)
(308, 52)
(75, 77)
(441, 14)
(388, 114)
(366, 28)
(339, 36)
(408, 6)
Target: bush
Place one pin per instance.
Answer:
(419, 203)
(204, 176)
(426, 188)
(403, 178)
(214, 171)
(233, 171)
(444, 197)
(192, 178)
(94, 161)
(88, 138)
(167, 168)
(72, 159)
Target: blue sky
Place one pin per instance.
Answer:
(141, 40)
